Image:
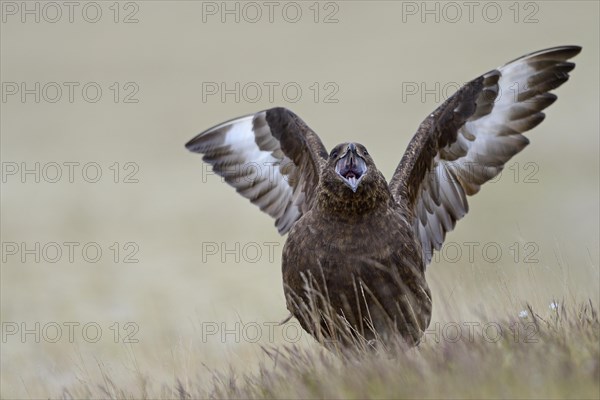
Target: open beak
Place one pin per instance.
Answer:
(351, 168)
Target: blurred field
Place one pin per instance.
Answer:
(193, 300)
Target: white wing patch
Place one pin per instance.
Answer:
(245, 153)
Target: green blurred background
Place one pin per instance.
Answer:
(177, 219)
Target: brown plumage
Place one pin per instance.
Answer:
(357, 247)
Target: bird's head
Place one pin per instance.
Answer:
(350, 161)
(351, 180)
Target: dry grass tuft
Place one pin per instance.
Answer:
(551, 353)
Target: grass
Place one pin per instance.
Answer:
(547, 354)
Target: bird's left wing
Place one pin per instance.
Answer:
(272, 158)
(470, 137)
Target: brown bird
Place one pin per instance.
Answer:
(357, 247)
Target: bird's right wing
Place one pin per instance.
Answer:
(470, 137)
(272, 158)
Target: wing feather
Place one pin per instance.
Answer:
(470, 137)
(272, 158)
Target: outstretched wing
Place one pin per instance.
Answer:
(470, 137)
(272, 158)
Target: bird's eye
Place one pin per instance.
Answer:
(334, 154)
(365, 152)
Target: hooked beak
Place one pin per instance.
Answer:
(351, 168)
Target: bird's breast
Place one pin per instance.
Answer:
(341, 259)
(359, 247)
